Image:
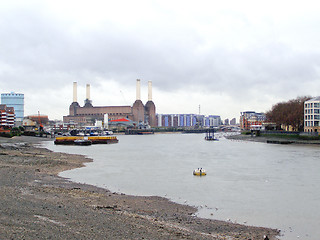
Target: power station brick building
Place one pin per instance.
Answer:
(89, 114)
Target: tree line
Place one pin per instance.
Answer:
(290, 113)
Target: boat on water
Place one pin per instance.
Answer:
(103, 139)
(210, 135)
(210, 138)
(199, 172)
(67, 140)
(82, 140)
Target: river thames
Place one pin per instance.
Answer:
(249, 183)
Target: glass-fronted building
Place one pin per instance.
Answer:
(15, 100)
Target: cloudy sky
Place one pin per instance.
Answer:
(226, 56)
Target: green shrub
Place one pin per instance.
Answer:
(246, 132)
(6, 134)
(15, 131)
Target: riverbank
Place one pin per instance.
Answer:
(36, 204)
(272, 139)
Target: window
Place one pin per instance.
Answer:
(316, 116)
(316, 111)
(316, 105)
(316, 123)
(312, 105)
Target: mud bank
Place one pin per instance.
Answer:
(37, 204)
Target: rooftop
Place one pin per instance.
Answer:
(314, 99)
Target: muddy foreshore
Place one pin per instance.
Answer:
(37, 204)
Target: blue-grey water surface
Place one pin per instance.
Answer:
(247, 182)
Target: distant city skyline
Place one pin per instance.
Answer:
(226, 57)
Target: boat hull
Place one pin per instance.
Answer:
(199, 172)
(210, 139)
(83, 142)
(66, 140)
(103, 139)
(80, 140)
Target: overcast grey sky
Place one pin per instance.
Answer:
(226, 56)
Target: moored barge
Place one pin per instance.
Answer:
(103, 139)
(72, 140)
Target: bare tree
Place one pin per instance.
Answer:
(288, 113)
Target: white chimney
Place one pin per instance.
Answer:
(75, 92)
(149, 90)
(88, 92)
(138, 90)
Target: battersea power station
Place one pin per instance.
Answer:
(89, 114)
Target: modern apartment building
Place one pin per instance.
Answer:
(249, 118)
(7, 116)
(312, 115)
(187, 120)
(15, 100)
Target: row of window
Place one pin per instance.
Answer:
(311, 117)
(312, 124)
(101, 114)
(312, 105)
(311, 111)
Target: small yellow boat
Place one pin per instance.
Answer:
(199, 172)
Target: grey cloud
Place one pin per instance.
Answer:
(38, 48)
